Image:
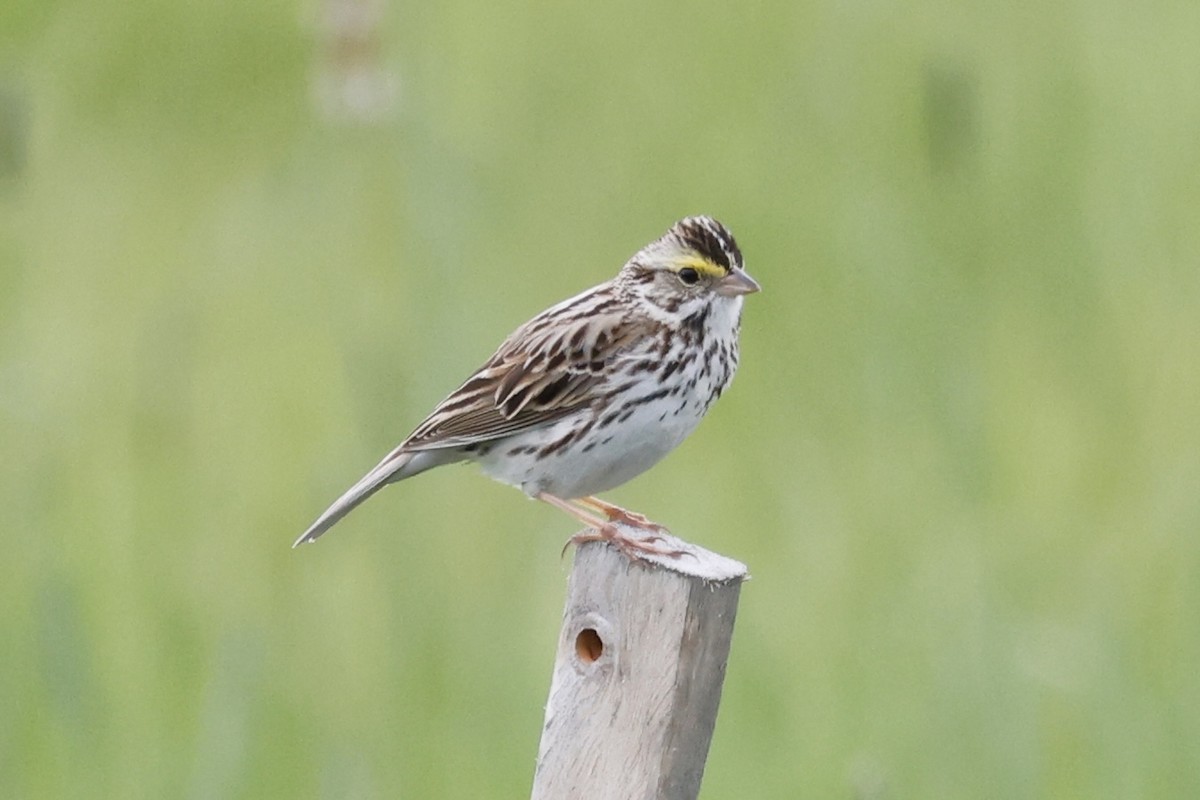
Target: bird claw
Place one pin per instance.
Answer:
(631, 548)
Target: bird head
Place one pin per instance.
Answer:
(694, 263)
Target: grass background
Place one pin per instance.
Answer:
(962, 457)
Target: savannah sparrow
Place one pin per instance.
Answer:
(593, 391)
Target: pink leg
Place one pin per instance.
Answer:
(617, 514)
(606, 531)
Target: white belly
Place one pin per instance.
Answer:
(600, 460)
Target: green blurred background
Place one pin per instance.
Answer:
(244, 247)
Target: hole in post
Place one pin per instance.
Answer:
(588, 645)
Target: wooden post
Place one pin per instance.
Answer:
(638, 673)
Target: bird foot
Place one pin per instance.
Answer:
(622, 516)
(635, 549)
(635, 520)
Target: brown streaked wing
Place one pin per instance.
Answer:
(546, 370)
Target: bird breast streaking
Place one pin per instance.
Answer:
(594, 390)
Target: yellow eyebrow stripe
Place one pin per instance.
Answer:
(701, 265)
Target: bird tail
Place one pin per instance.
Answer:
(396, 466)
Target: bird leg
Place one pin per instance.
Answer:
(590, 520)
(606, 530)
(617, 514)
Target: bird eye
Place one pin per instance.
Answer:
(689, 276)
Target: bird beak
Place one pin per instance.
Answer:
(737, 283)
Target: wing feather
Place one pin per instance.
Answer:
(551, 367)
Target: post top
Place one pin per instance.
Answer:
(680, 557)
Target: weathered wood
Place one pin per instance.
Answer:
(638, 673)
